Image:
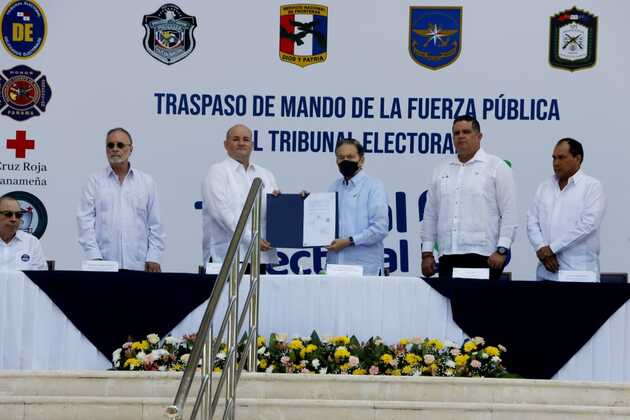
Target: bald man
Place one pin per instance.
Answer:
(224, 192)
(18, 250)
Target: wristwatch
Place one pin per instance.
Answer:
(502, 250)
(351, 239)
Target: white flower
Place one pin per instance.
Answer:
(315, 363)
(416, 340)
(449, 372)
(269, 369)
(151, 357)
(502, 348)
(153, 338)
(185, 358)
(305, 339)
(484, 355)
(496, 359)
(262, 350)
(378, 341)
(281, 337)
(221, 355)
(323, 371)
(478, 340)
(141, 355)
(448, 344)
(171, 341)
(429, 358)
(450, 363)
(116, 355)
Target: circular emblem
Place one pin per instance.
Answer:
(25, 257)
(21, 92)
(23, 25)
(35, 218)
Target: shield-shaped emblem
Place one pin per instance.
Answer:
(573, 39)
(435, 35)
(303, 34)
(169, 34)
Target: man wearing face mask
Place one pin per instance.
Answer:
(119, 217)
(363, 220)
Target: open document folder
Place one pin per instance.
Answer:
(296, 222)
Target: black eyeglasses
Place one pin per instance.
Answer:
(9, 214)
(119, 145)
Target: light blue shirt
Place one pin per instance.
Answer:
(362, 206)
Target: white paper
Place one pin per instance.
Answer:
(213, 267)
(471, 273)
(320, 215)
(99, 265)
(344, 270)
(577, 276)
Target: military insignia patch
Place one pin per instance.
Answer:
(169, 34)
(23, 25)
(303, 34)
(573, 39)
(435, 35)
(24, 94)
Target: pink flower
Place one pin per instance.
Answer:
(455, 352)
(304, 370)
(475, 364)
(353, 361)
(285, 360)
(373, 370)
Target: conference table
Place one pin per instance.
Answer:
(74, 320)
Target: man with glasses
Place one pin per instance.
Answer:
(119, 216)
(18, 250)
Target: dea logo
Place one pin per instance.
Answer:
(35, 218)
(169, 34)
(23, 25)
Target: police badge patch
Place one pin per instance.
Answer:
(573, 39)
(303, 34)
(23, 25)
(169, 34)
(435, 35)
(24, 94)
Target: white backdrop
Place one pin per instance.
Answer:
(101, 77)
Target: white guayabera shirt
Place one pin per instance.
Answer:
(568, 222)
(224, 192)
(121, 222)
(23, 252)
(471, 207)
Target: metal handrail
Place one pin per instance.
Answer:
(208, 346)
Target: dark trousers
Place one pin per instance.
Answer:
(447, 262)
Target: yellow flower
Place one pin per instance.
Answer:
(404, 341)
(310, 348)
(359, 372)
(341, 353)
(461, 359)
(217, 370)
(260, 341)
(387, 358)
(436, 343)
(492, 351)
(136, 345)
(344, 367)
(469, 346)
(412, 359)
(263, 364)
(296, 344)
(407, 370)
(342, 340)
(177, 367)
(396, 372)
(133, 362)
(302, 353)
(145, 345)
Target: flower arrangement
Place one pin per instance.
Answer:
(330, 355)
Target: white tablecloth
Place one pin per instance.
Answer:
(35, 334)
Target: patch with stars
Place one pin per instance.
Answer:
(435, 35)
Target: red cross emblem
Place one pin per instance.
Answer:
(21, 144)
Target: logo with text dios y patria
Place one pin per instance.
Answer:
(23, 25)
(435, 35)
(303, 34)
(169, 34)
(24, 93)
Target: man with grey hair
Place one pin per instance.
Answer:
(119, 216)
(18, 250)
